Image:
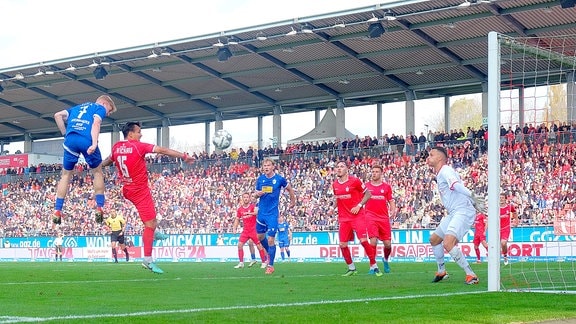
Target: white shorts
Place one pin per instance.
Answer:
(457, 225)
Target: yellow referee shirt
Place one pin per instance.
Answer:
(115, 223)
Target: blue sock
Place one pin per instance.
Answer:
(100, 200)
(271, 254)
(253, 256)
(264, 243)
(59, 204)
(282, 254)
(288, 252)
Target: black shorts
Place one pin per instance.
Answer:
(117, 236)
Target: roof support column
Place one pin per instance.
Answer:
(27, 143)
(207, 137)
(521, 107)
(447, 113)
(260, 139)
(409, 113)
(165, 132)
(218, 125)
(277, 125)
(571, 96)
(484, 102)
(316, 117)
(115, 136)
(340, 119)
(379, 120)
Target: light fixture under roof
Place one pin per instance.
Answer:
(93, 64)
(292, 32)
(419, 72)
(373, 19)
(71, 68)
(216, 97)
(389, 15)
(261, 36)
(344, 81)
(153, 55)
(39, 73)
(464, 4)
(339, 24)
(288, 50)
(49, 72)
(218, 44)
(307, 29)
(277, 90)
(19, 76)
(233, 40)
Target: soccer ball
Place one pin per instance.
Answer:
(222, 139)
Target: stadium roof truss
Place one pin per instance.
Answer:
(377, 54)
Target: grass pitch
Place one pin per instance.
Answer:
(296, 293)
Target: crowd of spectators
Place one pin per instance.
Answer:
(537, 175)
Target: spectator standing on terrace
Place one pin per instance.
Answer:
(460, 203)
(80, 126)
(247, 214)
(479, 235)
(269, 186)
(508, 216)
(379, 208)
(129, 156)
(350, 197)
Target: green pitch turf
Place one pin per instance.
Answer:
(296, 293)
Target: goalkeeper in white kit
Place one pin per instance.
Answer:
(461, 205)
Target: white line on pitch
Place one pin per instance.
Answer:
(14, 319)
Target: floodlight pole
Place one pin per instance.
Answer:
(493, 162)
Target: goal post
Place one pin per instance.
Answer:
(521, 73)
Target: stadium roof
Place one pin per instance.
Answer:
(426, 49)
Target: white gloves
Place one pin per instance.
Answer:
(479, 203)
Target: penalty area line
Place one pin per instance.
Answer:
(15, 319)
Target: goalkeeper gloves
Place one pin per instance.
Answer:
(479, 203)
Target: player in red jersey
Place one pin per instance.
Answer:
(480, 235)
(247, 213)
(351, 196)
(507, 213)
(129, 156)
(379, 208)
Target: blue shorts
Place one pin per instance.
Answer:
(267, 224)
(74, 145)
(284, 243)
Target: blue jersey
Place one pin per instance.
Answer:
(78, 136)
(283, 231)
(81, 118)
(268, 205)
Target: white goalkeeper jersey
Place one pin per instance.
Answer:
(453, 201)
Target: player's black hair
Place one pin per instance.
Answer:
(129, 127)
(442, 150)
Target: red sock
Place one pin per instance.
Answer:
(346, 254)
(263, 255)
(370, 252)
(387, 252)
(148, 239)
(477, 250)
(241, 255)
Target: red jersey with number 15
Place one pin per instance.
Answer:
(130, 160)
(348, 194)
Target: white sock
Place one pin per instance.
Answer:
(457, 255)
(351, 266)
(148, 259)
(439, 254)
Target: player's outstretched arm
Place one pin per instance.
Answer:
(173, 153)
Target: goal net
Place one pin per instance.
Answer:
(532, 110)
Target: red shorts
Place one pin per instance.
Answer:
(245, 236)
(505, 234)
(347, 229)
(142, 200)
(478, 239)
(380, 229)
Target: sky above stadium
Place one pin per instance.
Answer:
(35, 31)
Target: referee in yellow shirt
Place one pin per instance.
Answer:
(117, 225)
